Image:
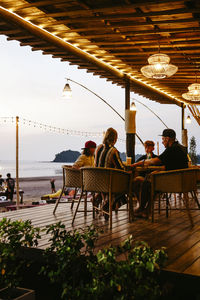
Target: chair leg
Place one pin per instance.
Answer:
(79, 201)
(159, 200)
(73, 200)
(110, 209)
(175, 199)
(93, 209)
(167, 205)
(194, 195)
(85, 204)
(152, 208)
(186, 202)
(58, 200)
(130, 208)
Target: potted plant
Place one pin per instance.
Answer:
(14, 236)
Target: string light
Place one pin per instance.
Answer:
(49, 128)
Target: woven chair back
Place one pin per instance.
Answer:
(72, 177)
(178, 181)
(105, 180)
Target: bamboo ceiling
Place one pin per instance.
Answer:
(112, 39)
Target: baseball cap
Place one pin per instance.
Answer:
(90, 144)
(169, 133)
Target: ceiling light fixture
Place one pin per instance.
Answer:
(159, 66)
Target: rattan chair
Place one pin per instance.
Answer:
(178, 181)
(109, 181)
(71, 179)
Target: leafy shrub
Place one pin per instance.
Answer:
(67, 259)
(82, 274)
(13, 236)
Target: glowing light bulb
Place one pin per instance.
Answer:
(158, 66)
(188, 120)
(67, 92)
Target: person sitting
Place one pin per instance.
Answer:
(107, 156)
(149, 147)
(86, 159)
(174, 157)
(138, 182)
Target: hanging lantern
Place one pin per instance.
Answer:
(188, 120)
(67, 92)
(194, 92)
(159, 67)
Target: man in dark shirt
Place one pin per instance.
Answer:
(174, 157)
(10, 183)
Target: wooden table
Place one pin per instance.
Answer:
(144, 169)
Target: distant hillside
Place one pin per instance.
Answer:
(71, 156)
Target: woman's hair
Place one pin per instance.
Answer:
(110, 137)
(86, 151)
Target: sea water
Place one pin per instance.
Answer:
(31, 168)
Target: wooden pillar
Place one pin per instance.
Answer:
(130, 137)
(17, 161)
(182, 116)
(183, 130)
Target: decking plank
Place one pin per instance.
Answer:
(182, 242)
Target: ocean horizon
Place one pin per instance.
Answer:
(31, 168)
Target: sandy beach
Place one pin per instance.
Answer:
(35, 187)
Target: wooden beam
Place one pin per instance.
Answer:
(123, 25)
(22, 37)
(118, 14)
(132, 33)
(11, 31)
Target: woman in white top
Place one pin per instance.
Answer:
(86, 159)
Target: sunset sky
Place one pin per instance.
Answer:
(31, 87)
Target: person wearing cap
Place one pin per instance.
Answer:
(86, 159)
(173, 158)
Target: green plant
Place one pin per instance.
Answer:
(66, 260)
(193, 151)
(82, 274)
(134, 276)
(13, 236)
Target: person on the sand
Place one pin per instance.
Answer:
(53, 188)
(10, 185)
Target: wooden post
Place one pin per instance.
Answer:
(17, 161)
(130, 137)
(158, 150)
(184, 131)
(182, 116)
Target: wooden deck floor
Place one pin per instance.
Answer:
(175, 233)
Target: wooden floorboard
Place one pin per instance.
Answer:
(174, 233)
